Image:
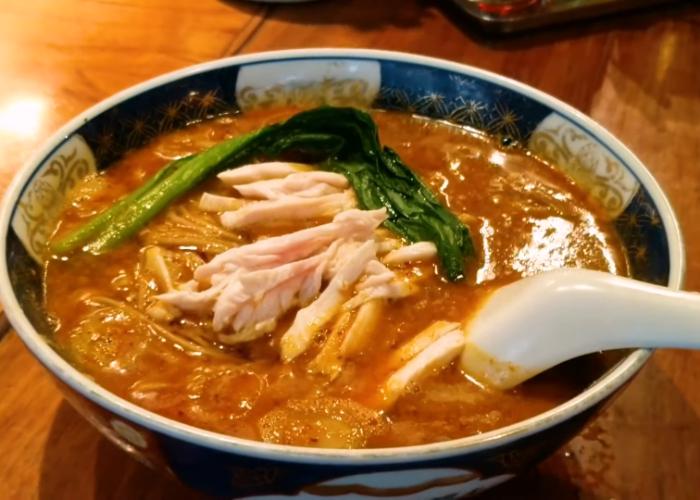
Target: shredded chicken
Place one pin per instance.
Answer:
(309, 320)
(420, 342)
(216, 203)
(188, 298)
(421, 251)
(260, 171)
(303, 184)
(270, 252)
(380, 283)
(386, 245)
(287, 209)
(434, 356)
(260, 296)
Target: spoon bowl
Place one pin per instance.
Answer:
(533, 324)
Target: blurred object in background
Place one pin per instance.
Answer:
(516, 15)
(502, 8)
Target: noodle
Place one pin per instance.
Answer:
(195, 345)
(186, 226)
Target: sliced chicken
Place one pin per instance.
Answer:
(309, 320)
(216, 203)
(303, 184)
(358, 222)
(377, 274)
(360, 331)
(434, 357)
(380, 283)
(165, 313)
(287, 209)
(189, 298)
(351, 224)
(270, 193)
(266, 294)
(342, 250)
(385, 246)
(261, 171)
(386, 241)
(420, 342)
(256, 318)
(421, 251)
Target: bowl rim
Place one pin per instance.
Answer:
(605, 386)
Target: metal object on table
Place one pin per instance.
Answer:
(516, 15)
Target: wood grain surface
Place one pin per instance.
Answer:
(637, 74)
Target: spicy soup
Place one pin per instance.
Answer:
(113, 322)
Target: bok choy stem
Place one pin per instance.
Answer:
(99, 222)
(135, 215)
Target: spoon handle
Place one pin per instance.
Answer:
(620, 313)
(538, 322)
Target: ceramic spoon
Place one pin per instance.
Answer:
(538, 322)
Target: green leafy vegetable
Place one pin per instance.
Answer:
(343, 140)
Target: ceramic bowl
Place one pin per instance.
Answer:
(229, 466)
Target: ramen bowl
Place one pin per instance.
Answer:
(227, 466)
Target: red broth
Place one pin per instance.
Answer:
(524, 216)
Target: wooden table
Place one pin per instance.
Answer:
(636, 74)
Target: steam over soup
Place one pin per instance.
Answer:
(314, 294)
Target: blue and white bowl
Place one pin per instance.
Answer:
(230, 466)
